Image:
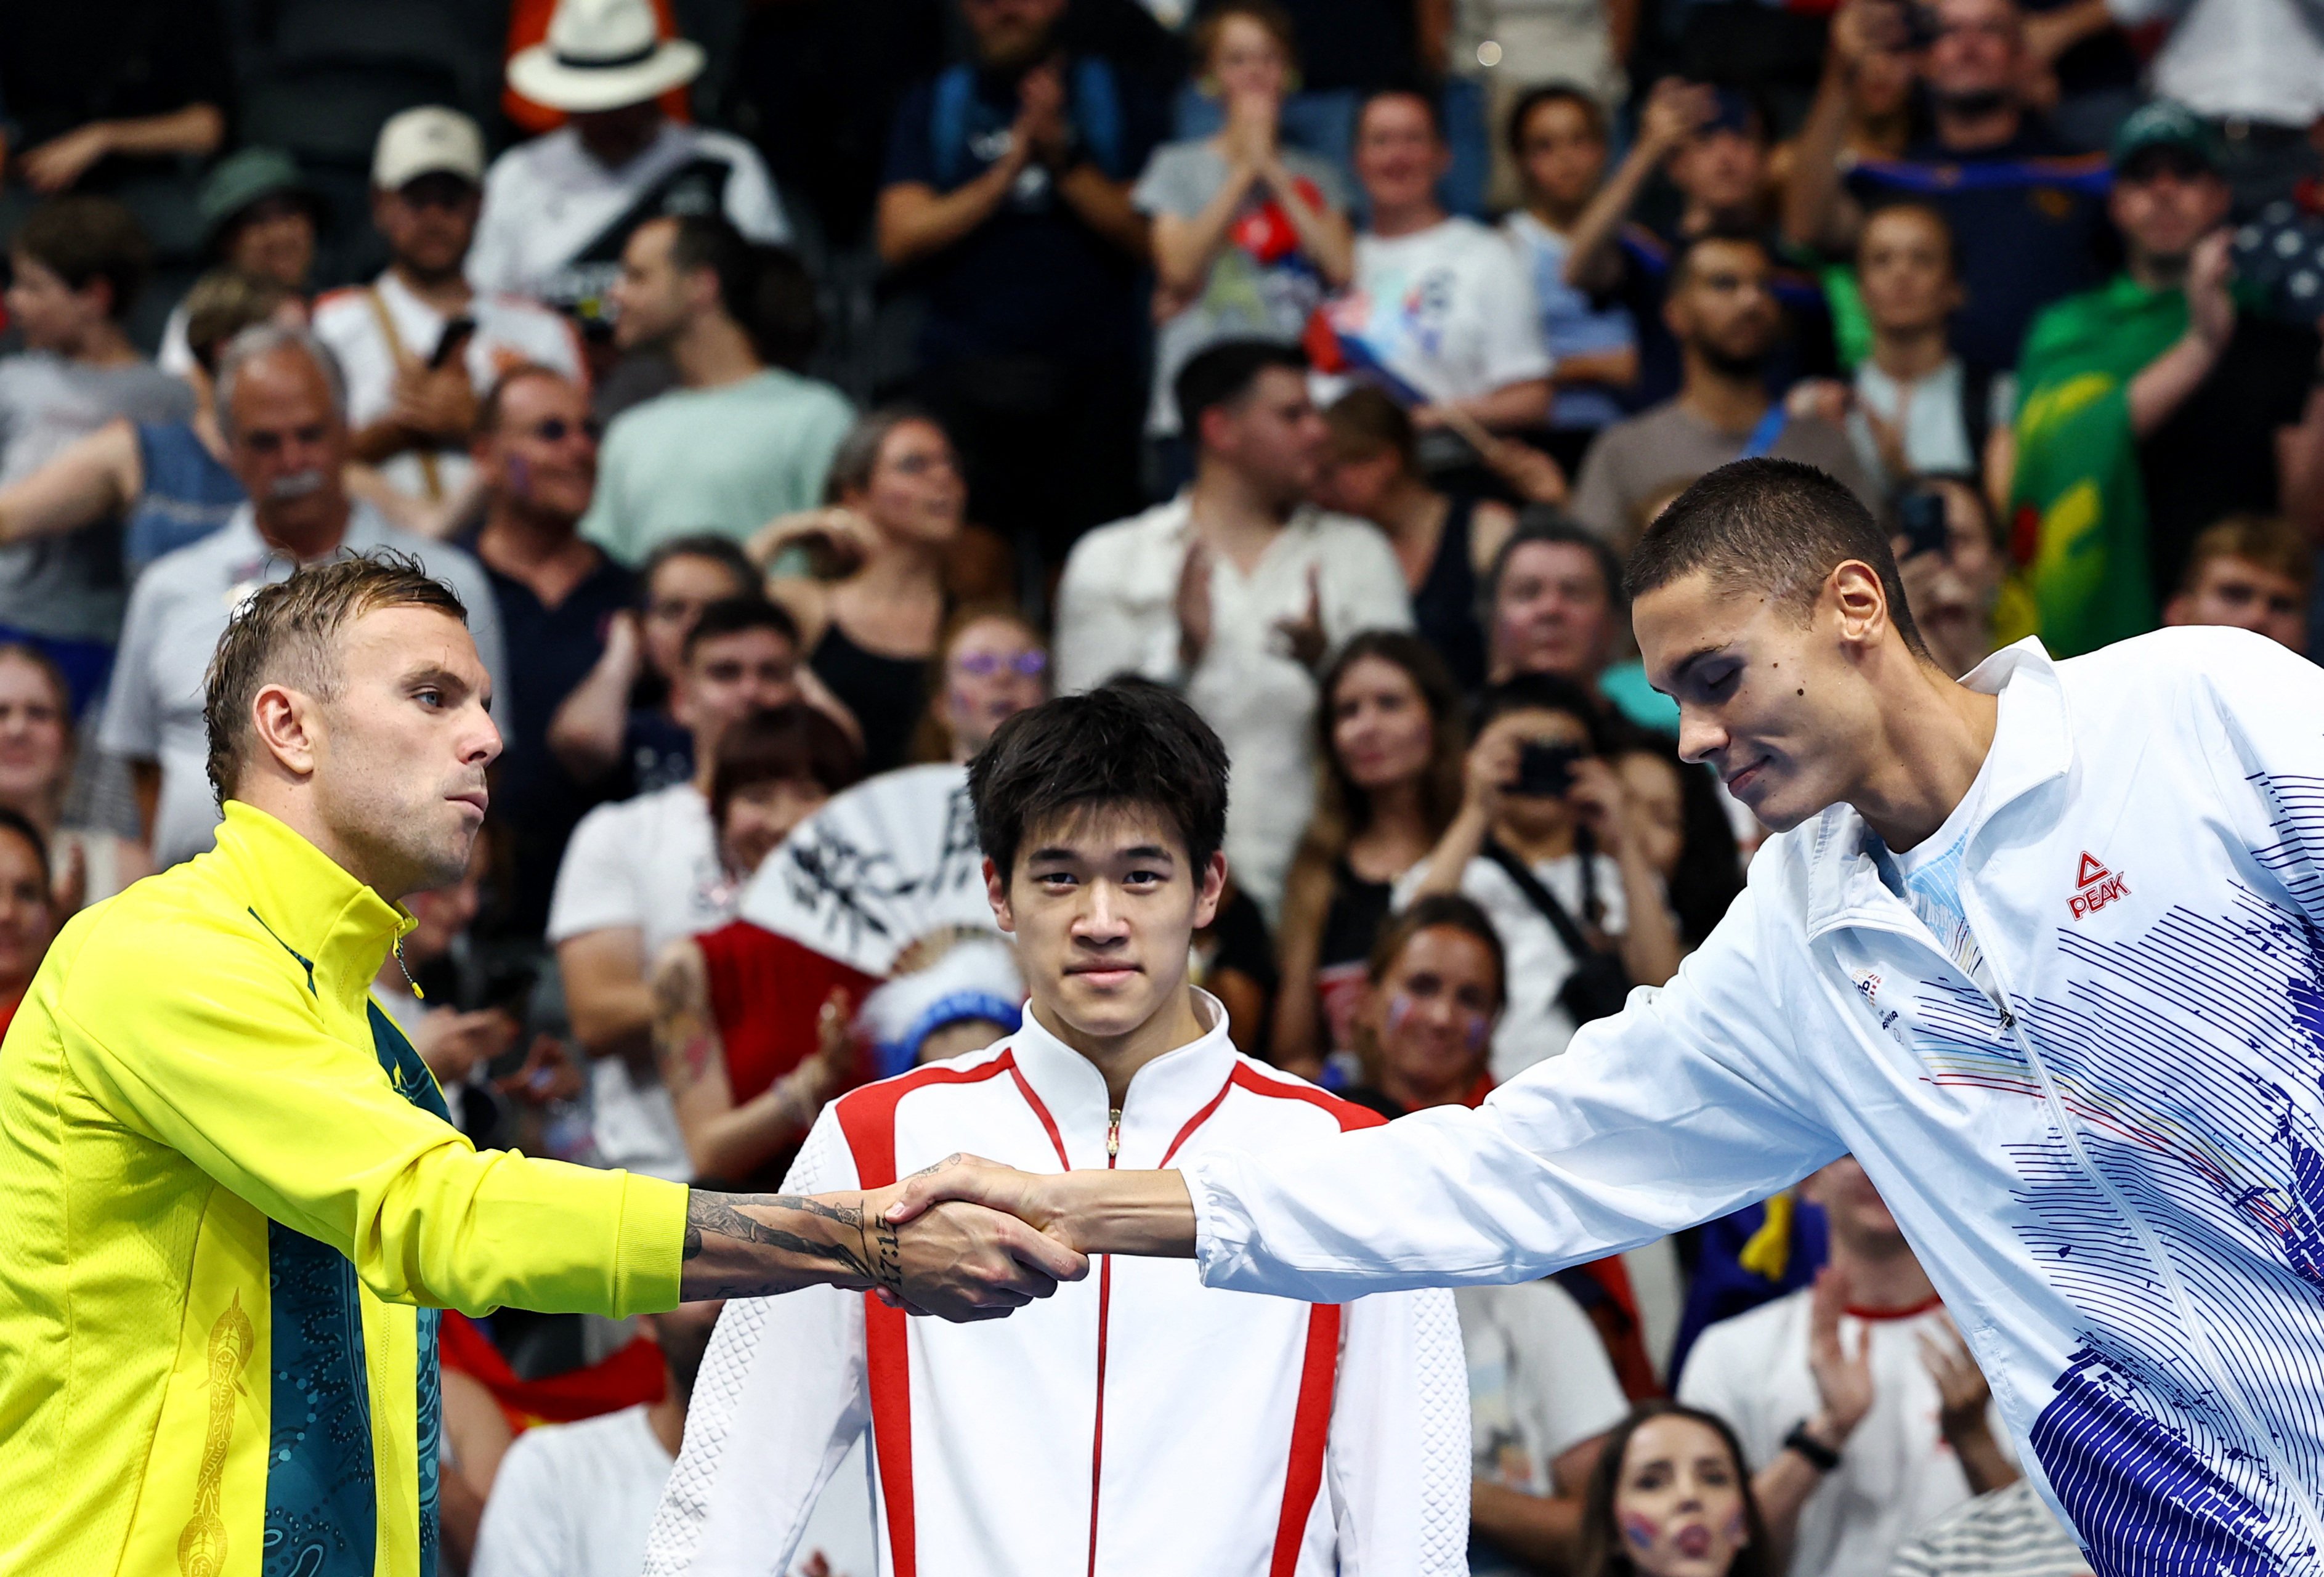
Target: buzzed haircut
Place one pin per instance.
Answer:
(83, 238)
(1776, 527)
(286, 634)
(1681, 258)
(1130, 743)
(1223, 374)
(732, 615)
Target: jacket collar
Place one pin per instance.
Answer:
(1163, 1095)
(2031, 746)
(337, 927)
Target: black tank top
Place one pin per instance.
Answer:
(886, 694)
(1444, 607)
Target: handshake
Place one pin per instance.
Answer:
(964, 1239)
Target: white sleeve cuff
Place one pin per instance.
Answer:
(1221, 1226)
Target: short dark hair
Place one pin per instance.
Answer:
(779, 309)
(709, 240)
(1128, 742)
(82, 238)
(287, 633)
(732, 615)
(1773, 526)
(1533, 98)
(1604, 1553)
(15, 821)
(1546, 693)
(710, 545)
(1682, 257)
(1224, 373)
(1419, 96)
(1542, 525)
(778, 744)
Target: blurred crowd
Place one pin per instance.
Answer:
(794, 389)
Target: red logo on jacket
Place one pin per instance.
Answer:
(2095, 887)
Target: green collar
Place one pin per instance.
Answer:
(338, 928)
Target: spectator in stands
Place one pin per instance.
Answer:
(865, 575)
(2254, 572)
(559, 209)
(1552, 604)
(2158, 398)
(1556, 137)
(1388, 744)
(259, 217)
(168, 482)
(536, 455)
(622, 716)
(967, 998)
(1913, 406)
(1865, 1412)
(98, 95)
(1008, 194)
(1439, 303)
(992, 665)
(1239, 589)
(1433, 983)
(640, 873)
(750, 1028)
(76, 265)
(1543, 842)
(1956, 591)
(1671, 1497)
(28, 909)
(1249, 235)
(37, 750)
(1443, 543)
(284, 413)
(741, 441)
(1723, 313)
(418, 345)
(2254, 70)
(2028, 224)
(453, 1041)
(578, 1499)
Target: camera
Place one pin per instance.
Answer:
(1545, 771)
(1921, 522)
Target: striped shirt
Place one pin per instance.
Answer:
(2009, 1533)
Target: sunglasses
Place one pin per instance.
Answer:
(1032, 664)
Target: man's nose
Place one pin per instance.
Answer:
(1698, 736)
(1101, 918)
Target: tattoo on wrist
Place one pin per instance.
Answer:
(874, 1255)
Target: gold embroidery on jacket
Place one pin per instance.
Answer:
(201, 1548)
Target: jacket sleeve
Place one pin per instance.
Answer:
(781, 1397)
(1399, 1457)
(1686, 1105)
(230, 1066)
(2265, 706)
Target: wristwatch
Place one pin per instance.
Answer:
(1820, 1456)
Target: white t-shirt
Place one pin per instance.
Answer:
(650, 863)
(509, 332)
(1896, 1475)
(1447, 309)
(1539, 1385)
(555, 219)
(578, 1499)
(1534, 1025)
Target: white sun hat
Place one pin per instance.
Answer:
(603, 54)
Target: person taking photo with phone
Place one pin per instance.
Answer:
(1543, 843)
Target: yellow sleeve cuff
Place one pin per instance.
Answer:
(652, 1240)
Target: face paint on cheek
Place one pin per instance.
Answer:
(1475, 1030)
(1400, 1008)
(1640, 1531)
(1738, 1528)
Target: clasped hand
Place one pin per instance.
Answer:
(968, 1242)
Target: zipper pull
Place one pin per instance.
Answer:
(417, 995)
(1113, 1135)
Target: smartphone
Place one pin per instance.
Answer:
(1545, 771)
(1921, 522)
(457, 333)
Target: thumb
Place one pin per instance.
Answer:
(1041, 1251)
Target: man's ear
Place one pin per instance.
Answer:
(996, 893)
(1213, 887)
(288, 725)
(1862, 601)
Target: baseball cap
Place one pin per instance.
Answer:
(2165, 124)
(241, 180)
(427, 141)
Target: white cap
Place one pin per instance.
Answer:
(428, 141)
(603, 54)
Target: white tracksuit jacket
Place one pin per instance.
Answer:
(2115, 1176)
(1135, 1422)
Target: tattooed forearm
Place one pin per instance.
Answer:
(684, 1033)
(727, 1229)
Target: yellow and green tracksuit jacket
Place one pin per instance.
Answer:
(230, 1206)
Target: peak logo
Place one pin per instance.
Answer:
(2095, 887)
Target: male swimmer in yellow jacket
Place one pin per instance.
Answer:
(230, 1202)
